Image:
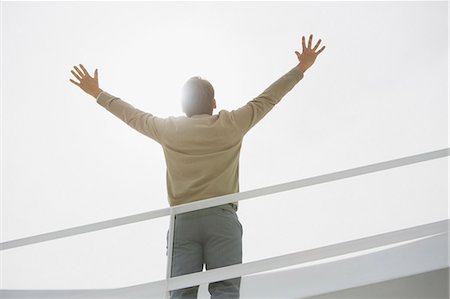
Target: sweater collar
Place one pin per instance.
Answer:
(200, 115)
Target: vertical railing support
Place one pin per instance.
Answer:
(170, 252)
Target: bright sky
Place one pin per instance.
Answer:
(379, 91)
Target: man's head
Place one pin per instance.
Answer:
(197, 97)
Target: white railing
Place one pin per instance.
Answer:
(173, 283)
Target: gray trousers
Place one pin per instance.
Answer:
(211, 236)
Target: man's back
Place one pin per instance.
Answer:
(202, 151)
(202, 156)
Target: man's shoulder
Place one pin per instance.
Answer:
(224, 113)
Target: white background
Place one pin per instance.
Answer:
(379, 91)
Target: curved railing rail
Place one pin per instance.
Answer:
(310, 255)
(256, 266)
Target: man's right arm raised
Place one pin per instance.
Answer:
(143, 122)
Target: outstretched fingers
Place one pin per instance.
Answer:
(84, 70)
(79, 71)
(76, 75)
(310, 43)
(317, 45)
(76, 83)
(320, 51)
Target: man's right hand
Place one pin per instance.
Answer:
(308, 55)
(87, 83)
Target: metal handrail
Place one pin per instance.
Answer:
(310, 255)
(224, 199)
(173, 283)
(234, 270)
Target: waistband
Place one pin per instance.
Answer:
(209, 210)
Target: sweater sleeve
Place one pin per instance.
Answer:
(250, 114)
(141, 121)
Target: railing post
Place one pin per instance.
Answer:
(170, 252)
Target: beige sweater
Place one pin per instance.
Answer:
(202, 152)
